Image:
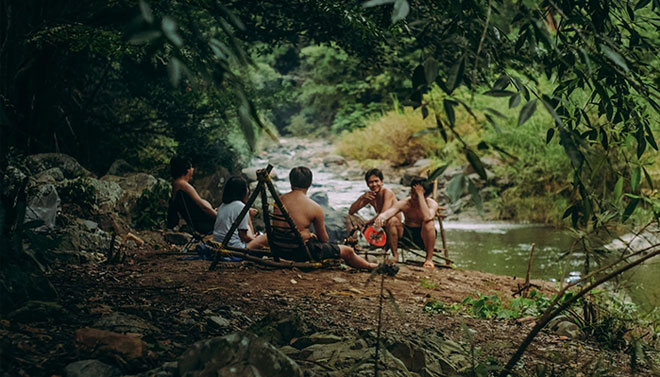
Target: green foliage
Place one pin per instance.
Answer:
(79, 191)
(151, 207)
(616, 323)
(391, 138)
(492, 306)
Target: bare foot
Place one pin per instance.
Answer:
(429, 264)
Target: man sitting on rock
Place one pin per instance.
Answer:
(419, 212)
(305, 213)
(381, 199)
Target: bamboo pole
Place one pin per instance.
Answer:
(529, 271)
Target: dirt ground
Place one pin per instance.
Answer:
(158, 286)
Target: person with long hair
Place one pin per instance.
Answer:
(234, 196)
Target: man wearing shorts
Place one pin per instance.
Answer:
(419, 212)
(305, 213)
(381, 199)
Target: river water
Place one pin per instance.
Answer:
(501, 248)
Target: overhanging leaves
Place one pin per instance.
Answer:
(526, 112)
(456, 187)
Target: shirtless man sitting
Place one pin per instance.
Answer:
(305, 213)
(381, 199)
(182, 172)
(419, 212)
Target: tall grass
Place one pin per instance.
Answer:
(391, 138)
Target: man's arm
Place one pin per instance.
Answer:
(319, 224)
(428, 212)
(203, 204)
(396, 208)
(361, 202)
(388, 201)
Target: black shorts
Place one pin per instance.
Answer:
(322, 250)
(412, 237)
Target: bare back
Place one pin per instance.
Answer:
(304, 212)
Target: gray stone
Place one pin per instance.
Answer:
(176, 238)
(321, 198)
(120, 167)
(43, 205)
(89, 225)
(38, 311)
(316, 338)
(125, 323)
(250, 173)
(67, 164)
(423, 163)
(218, 321)
(52, 175)
(333, 160)
(90, 368)
(237, 354)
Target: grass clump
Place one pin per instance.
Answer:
(391, 138)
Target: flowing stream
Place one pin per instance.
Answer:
(501, 248)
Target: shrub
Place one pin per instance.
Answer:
(151, 209)
(391, 138)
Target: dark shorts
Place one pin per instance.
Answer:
(322, 250)
(412, 237)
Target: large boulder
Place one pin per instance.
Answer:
(71, 169)
(131, 188)
(210, 187)
(43, 205)
(335, 223)
(120, 168)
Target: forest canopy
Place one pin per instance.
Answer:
(142, 80)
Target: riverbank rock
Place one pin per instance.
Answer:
(91, 368)
(238, 354)
(68, 165)
(120, 167)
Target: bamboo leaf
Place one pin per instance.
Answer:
(373, 3)
(169, 29)
(630, 208)
(456, 187)
(476, 163)
(551, 110)
(615, 57)
(436, 173)
(146, 12)
(649, 181)
(476, 197)
(549, 135)
(449, 111)
(400, 11)
(618, 190)
(526, 112)
(499, 93)
(635, 179)
(455, 75)
(430, 70)
(514, 100)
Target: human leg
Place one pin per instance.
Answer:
(348, 254)
(354, 223)
(428, 236)
(394, 230)
(258, 242)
